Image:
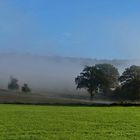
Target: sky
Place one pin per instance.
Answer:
(102, 29)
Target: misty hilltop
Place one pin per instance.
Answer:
(47, 73)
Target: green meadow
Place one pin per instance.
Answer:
(30, 122)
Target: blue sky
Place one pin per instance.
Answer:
(103, 29)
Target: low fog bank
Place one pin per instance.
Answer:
(48, 74)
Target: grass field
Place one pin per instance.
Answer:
(28, 122)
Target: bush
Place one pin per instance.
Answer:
(26, 88)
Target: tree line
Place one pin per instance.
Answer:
(105, 78)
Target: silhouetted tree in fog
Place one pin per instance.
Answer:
(26, 88)
(98, 78)
(13, 84)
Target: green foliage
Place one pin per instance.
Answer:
(87, 80)
(130, 74)
(108, 76)
(18, 122)
(101, 77)
(26, 88)
(13, 85)
(130, 83)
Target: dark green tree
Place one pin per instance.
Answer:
(130, 83)
(98, 78)
(26, 88)
(130, 74)
(108, 76)
(13, 84)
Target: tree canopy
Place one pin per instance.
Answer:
(130, 83)
(130, 74)
(98, 78)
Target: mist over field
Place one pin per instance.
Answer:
(52, 75)
(79, 31)
(69, 69)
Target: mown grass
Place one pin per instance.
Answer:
(27, 122)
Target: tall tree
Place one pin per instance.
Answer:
(130, 83)
(87, 80)
(101, 77)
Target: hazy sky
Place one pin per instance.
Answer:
(77, 28)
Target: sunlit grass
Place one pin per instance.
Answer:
(23, 122)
